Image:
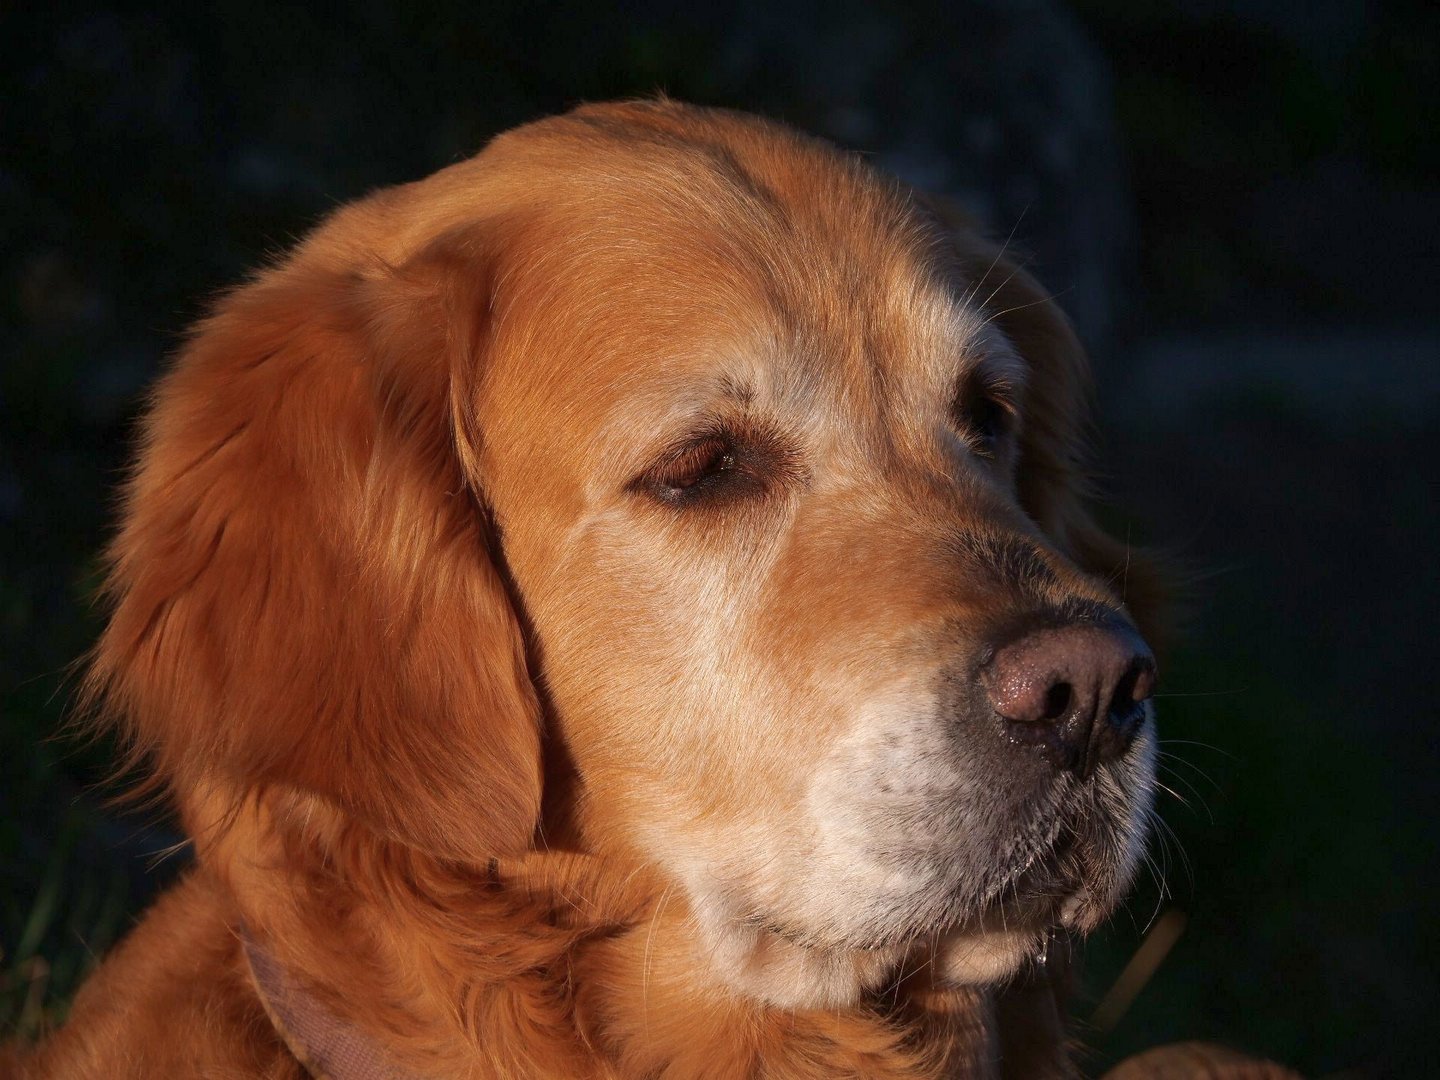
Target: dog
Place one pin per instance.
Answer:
(625, 605)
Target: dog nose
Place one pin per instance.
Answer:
(1076, 691)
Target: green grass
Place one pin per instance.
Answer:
(75, 911)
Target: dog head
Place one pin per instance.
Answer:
(702, 457)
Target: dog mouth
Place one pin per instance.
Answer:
(1051, 888)
(1068, 878)
(1038, 891)
(1072, 883)
(1071, 872)
(1062, 865)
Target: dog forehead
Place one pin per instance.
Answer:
(634, 349)
(657, 278)
(634, 288)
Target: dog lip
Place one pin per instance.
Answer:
(1050, 878)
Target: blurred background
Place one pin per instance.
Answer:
(1238, 201)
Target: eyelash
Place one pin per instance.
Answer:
(699, 465)
(984, 414)
(714, 467)
(710, 464)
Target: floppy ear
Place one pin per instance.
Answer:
(303, 589)
(1052, 478)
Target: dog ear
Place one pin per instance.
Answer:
(1052, 476)
(304, 586)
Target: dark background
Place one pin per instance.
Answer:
(1237, 201)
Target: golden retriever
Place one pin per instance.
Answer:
(623, 606)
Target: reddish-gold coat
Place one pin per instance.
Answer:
(319, 654)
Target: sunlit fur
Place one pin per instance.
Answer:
(528, 771)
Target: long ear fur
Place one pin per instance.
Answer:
(302, 590)
(1054, 485)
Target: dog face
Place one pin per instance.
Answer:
(777, 471)
(781, 538)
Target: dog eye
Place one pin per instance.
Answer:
(695, 469)
(984, 417)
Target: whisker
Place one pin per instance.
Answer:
(1199, 797)
(1164, 845)
(1179, 847)
(1178, 759)
(1202, 693)
(1021, 307)
(996, 291)
(1159, 878)
(1202, 745)
(1174, 794)
(975, 289)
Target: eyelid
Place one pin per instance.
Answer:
(986, 412)
(745, 459)
(992, 388)
(992, 366)
(998, 389)
(677, 468)
(673, 462)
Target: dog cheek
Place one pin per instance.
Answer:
(899, 819)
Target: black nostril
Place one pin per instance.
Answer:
(1134, 687)
(1057, 701)
(1127, 704)
(1123, 702)
(1073, 690)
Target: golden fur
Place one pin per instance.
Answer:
(527, 763)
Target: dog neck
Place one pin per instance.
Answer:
(324, 1043)
(555, 964)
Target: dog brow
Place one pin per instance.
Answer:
(737, 390)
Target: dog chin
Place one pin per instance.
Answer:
(1071, 885)
(764, 965)
(789, 971)
(987, 957)
(783, 969)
